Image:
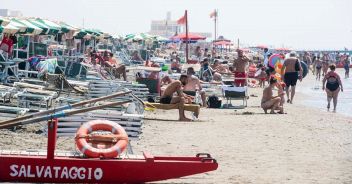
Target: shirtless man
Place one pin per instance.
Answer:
(239, 66)
(293, 72)
(269, 101)
(169, 98)
(193, 85)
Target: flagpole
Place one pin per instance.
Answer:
(215, 19)
(186, 16)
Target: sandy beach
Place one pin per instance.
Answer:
(306, 145)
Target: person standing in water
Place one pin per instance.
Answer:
(333, 86)
(346, 66)
(318, 66)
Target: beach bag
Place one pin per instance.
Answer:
(214, 102)
(6, 45)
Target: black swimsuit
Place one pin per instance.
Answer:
(332, 85)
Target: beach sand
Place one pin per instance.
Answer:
(306, 145)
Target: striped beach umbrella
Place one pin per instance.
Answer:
(10, 29)
(21, 28)
(30, 28)
(45, 28)
(65, 28)
(4, 21)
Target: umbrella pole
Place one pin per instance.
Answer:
(186, 36)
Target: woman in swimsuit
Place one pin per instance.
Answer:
(333, 86)
(318, 66)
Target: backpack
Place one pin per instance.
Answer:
(214, 102)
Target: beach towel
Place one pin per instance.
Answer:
(47, 66)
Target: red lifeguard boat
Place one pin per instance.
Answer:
(51, 167)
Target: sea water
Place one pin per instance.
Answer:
(317, 97)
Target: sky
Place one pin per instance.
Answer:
(299, 24)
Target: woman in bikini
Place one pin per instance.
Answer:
(333, 86)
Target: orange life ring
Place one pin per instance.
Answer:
(91, 145)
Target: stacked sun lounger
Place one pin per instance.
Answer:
(34, 95)
(131, 122)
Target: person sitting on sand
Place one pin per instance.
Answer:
(333, 86)
(175, 65)
(193, 85)
(293, 72)
(117, 67)
(219, 68)
(269, 101)
(169, 98)
(239, 66)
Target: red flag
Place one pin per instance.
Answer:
(182, 20)
(213, 14)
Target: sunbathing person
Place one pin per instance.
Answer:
(193, 85)
(118, 68)
(168, 96)
(269, 101)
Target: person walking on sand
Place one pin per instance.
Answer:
(169, 98)
(293, 72)
(318, 66)
(333, 86)
(269, 101)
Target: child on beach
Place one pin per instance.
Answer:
(280, 92)
(262, 77)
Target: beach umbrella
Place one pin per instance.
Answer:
(31, 29)
(275, 59)
(80, 34)
(262, 46)
(283, 49)
(161, 39)
(10, 29)
(45, 28)
(224, 43)
(21, 28)
(191, 36)
(52, 27)
(94, 32)
(4, 21)
(65, 28)
(134, 37)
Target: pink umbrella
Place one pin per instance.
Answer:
(191, 36)
(282, 49)
(262, 46)
(225, 43)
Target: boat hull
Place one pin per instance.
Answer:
(16, 168)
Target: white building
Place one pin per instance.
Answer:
(10, 13)
(166, 28)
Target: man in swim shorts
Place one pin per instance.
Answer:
(239, 66)
(293, 72)
(169, 98)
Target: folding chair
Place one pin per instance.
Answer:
(235, 93)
